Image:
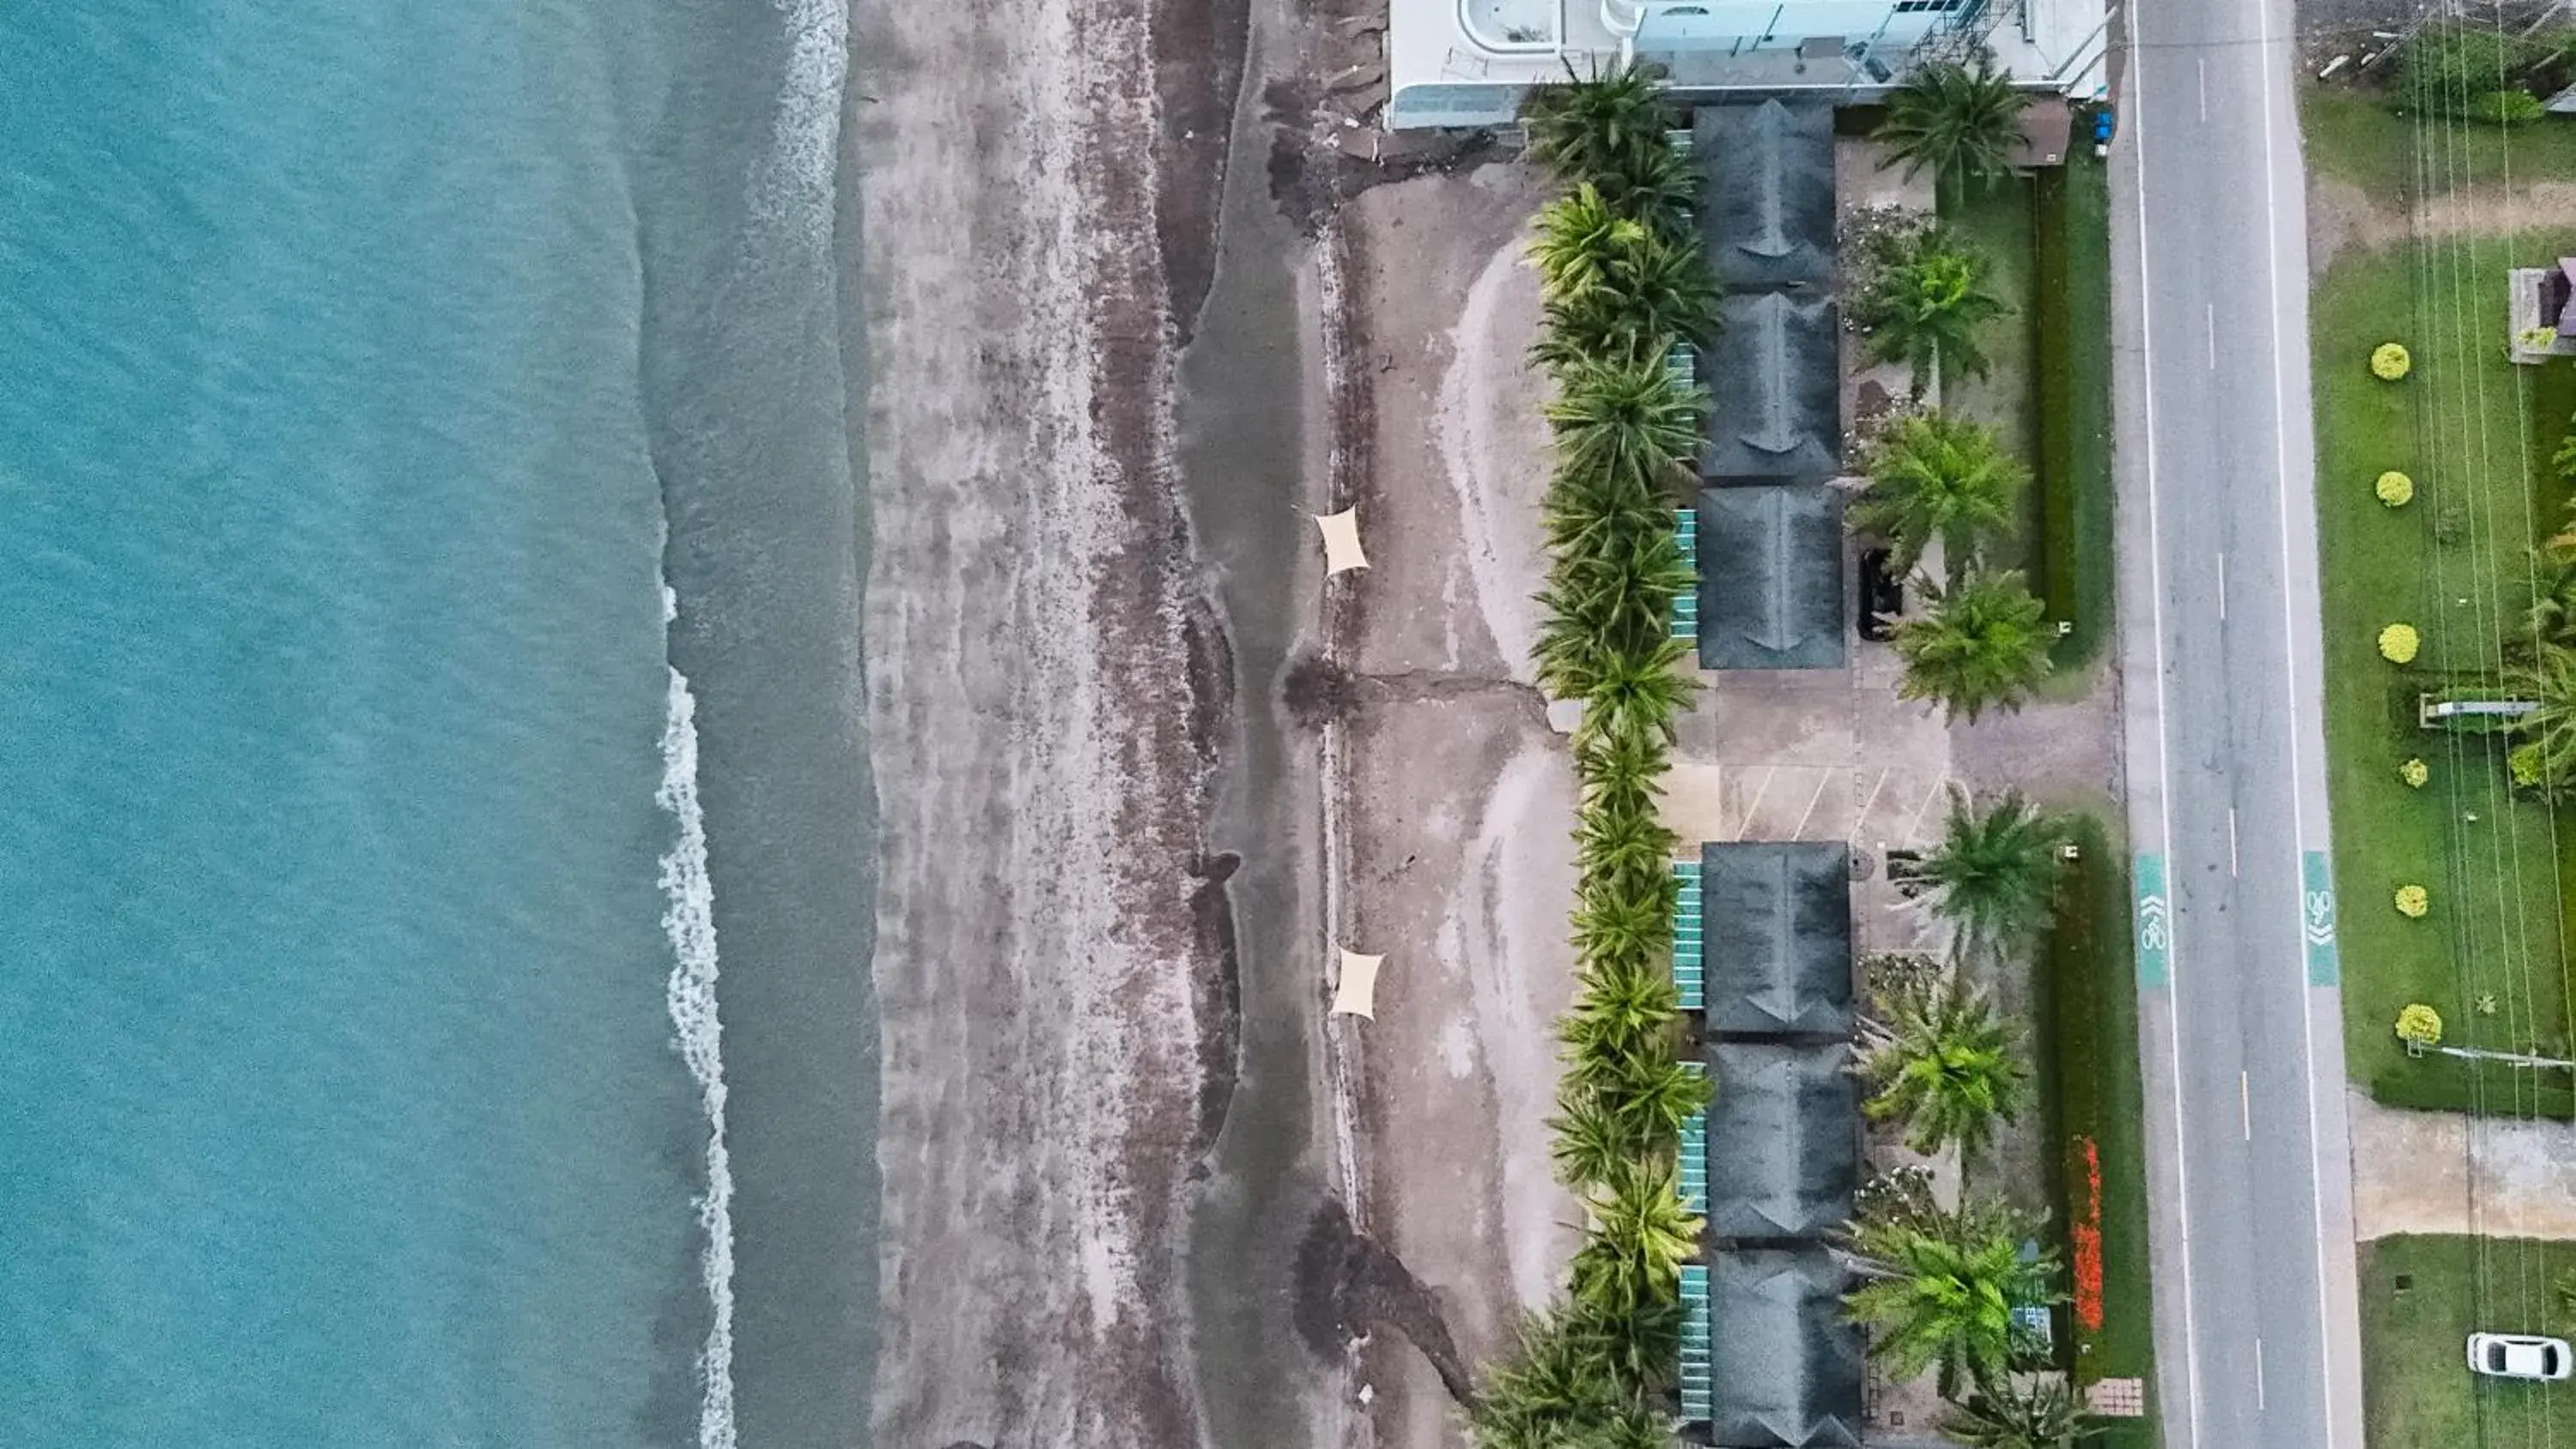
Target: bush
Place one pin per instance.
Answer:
(2390, 361)
(2451, 70)
(2413, 901)
(2415, 773)
(2419, 1025)
(2522, 762)
(2507, 108)
(2394, 489)
(2398, 643)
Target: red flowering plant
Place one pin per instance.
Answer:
(2087, 1235)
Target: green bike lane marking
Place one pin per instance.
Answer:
(2155, 921)
(2317, 919)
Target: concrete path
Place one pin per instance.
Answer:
(2256, 1321)
(2445, 1172)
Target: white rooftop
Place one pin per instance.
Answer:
(1468, 62)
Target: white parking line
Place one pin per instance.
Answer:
(1759, 791)
(1861, 816)
(1822, 776)
(1914, 829)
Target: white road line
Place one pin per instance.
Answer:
(2258, 1373)
(2213, 336)
(2222, 585)
(2231, 841)
(2245, 1102)
(2203, 64)
(2164, 752)
(2273, 108)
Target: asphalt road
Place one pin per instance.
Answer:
(2256, 1320)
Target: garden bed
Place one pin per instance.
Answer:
(2094, 1109)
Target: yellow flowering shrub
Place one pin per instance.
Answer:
(2413, 901)
(2390, 361)
(2398, 643)
(2394, 489)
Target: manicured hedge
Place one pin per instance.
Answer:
(2447, 1084)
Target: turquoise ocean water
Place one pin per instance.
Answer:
(400, 408)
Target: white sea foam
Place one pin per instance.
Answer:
(794, 191)
(689, 921)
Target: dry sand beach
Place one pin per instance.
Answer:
(1141, 767)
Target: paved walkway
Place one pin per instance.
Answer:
(2441, 1172)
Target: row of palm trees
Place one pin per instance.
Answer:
(1623, 282)
(1939, 1287)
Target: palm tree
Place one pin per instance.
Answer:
(1624, 418)
(1646, 1091)
(1924, 307)
(1978, 645)
(1633, 695)
(1623, 1014)
(1578, 233)
(2042, 1415)
(1993, 877)
(1638, 1238)
(1941, 1293)
(1625, 851)
(1934, 476)
(1558, 1385)
(1962, 121)
(1590, 1142)
(2548, 732)
(1947, 1068)
(1610, 132)
(2552, 620)
(1638, 293)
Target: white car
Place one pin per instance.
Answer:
(2519, 1356)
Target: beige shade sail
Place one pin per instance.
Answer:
(1357, 993)
(1341, 541)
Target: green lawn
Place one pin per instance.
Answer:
(2354, 136)
(2416, 1383)
(2088, 1065)
(1999, 222)
(2049, 391)
(2475, 432)
(2073, 386)
(2456, 564)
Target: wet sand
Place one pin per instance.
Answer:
(1039, 690)
(1139, 767)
